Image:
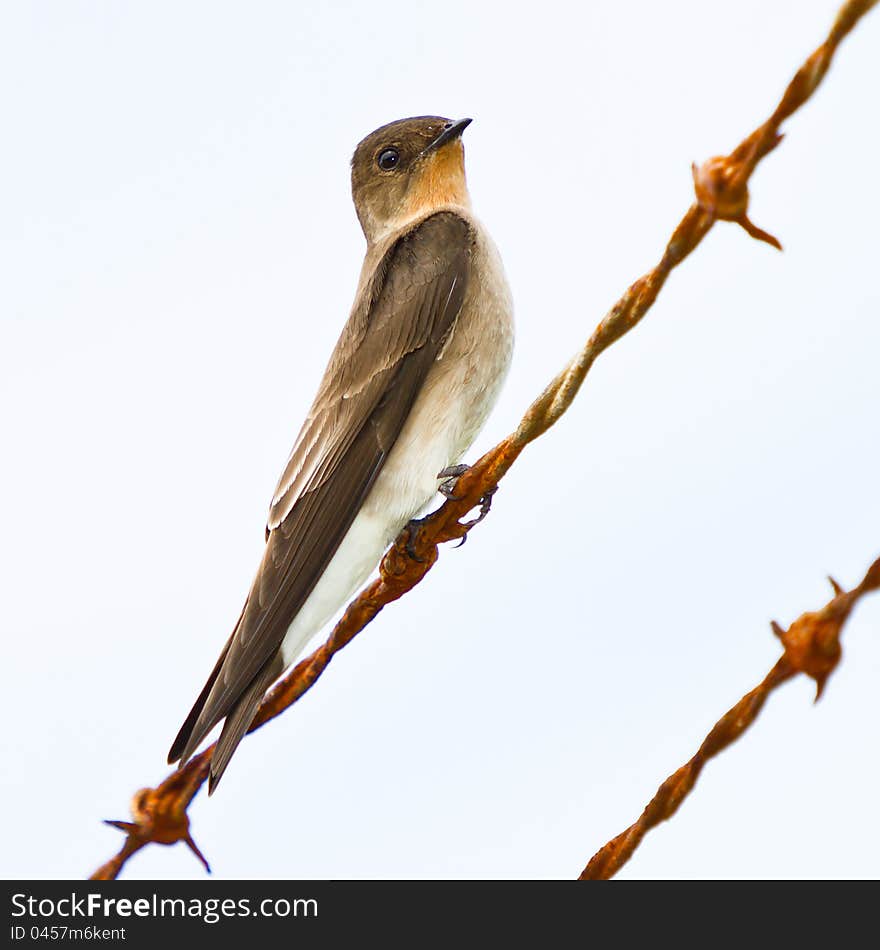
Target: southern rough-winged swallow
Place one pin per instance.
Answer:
(413, 377)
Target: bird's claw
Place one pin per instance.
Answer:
(452, 471)
(485, 507)
(450, 474)
(412, 529)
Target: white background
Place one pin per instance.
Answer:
(179, 253)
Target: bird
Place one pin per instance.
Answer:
(410, 383)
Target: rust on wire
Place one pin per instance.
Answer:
(811, 646)
(160, 814)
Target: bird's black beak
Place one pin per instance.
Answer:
(452, 131)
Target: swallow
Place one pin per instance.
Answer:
(412, 379)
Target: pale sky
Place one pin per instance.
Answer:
(180, 253)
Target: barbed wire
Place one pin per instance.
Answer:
(811, 646)
(721, 189)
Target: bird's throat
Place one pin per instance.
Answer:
(439, 183)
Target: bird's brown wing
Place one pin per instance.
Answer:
(373, 378)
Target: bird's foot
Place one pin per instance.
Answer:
(412, 530)
(485, 507)
(409, 537)
(451, 475)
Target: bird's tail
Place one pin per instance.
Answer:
(193, 729)
(239, 715)
(239, 720)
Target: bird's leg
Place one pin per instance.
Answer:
(450, 474)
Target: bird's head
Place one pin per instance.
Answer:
(406, 169)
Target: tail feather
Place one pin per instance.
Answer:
(239, 719)
(193, 731)
(238, 712)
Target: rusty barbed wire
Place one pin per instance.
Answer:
(811, 646)
(720, 185)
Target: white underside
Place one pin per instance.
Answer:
(359, 553)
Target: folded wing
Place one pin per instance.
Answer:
(374, 376)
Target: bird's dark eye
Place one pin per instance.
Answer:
(388, 159)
